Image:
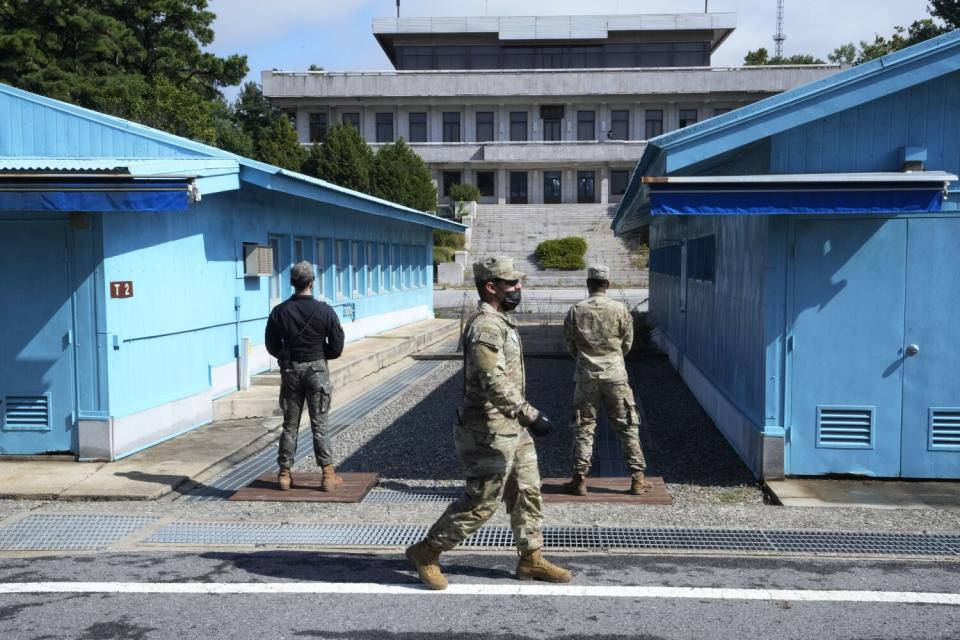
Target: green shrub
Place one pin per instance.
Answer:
(464, 193)
(445, 243)
(565, 253)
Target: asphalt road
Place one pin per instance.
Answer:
(624, 597)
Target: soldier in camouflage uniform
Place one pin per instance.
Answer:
(492, 436)
(599, 332)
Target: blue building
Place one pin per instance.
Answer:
(805, 268)
(135, 263)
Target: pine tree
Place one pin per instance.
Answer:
(343, 158)
(401, 176)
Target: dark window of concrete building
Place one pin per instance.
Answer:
(653, 125)
(353, 119)
(415, 58)
(551, 58)
(484, 57)
(689, 54)
(618, 182)
(450, 178)
(517, 57)
(484, 126)
(585, 187)
(655, 54)
(583, 57)
(451, 57)
(620, 124)
(551, 187)
(318, 127)
(552, 129)
(518, 125)
(620, 55)
(586, 125)
(687, 117)
(418, 126)
(451, 126)
(518, 187)
(485, 183)
(384, 127)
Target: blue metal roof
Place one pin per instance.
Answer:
(698, 144)
(41, 134)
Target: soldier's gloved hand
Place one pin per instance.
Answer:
(541, 426)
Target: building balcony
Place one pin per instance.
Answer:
(566, 152)
(385, 87)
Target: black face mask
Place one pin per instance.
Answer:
(511, 300)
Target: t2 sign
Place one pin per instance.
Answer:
(121, 289)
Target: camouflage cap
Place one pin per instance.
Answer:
(598, 272)
(498, 268)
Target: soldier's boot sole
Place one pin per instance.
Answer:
(425, 561)
(577, 486)
(284, 480)
(533, 566)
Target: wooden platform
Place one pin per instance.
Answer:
(306, 488)
(606, 490)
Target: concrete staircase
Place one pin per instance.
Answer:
(516, 230)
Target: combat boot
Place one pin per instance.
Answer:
(330, 479)
(577, 485)
(533, 566)
(639, 486)
(284, 480)
(427, 562)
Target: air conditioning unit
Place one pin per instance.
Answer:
(257, 260)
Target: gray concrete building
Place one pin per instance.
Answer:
(533, 110)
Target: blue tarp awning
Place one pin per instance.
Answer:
(921, 192)
(94, 195)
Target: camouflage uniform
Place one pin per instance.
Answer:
(498, 455)
(599, 332)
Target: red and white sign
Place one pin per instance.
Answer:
(121, 289)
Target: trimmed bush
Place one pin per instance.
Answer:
(445, 243)
(464, 193)
(565, 253)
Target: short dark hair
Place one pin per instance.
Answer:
(595, 284)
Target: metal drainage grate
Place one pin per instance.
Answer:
(401, 496)
(685, 539)
(340, 420)
(42, 532)
(281, 534)
(499, 537)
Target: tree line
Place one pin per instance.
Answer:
(145, 61)
(944, 17)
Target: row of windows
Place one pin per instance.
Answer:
(552, 185)
(701, 259)
(353, 268)
(519, 131)
(625, 55)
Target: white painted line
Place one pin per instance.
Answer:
(521, 589)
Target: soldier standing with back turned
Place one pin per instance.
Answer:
(599, 332)
(303, 334)
(492, 436)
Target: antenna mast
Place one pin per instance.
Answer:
(779, 36)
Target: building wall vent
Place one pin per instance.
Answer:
(945, 429)
(845, 427)
(26, 413)
(257, 260)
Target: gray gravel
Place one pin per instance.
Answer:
(409, 442)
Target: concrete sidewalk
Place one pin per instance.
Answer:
(245, 422)
(861, 493)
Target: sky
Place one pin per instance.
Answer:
(336, 34)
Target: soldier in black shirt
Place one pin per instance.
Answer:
(302, 334)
